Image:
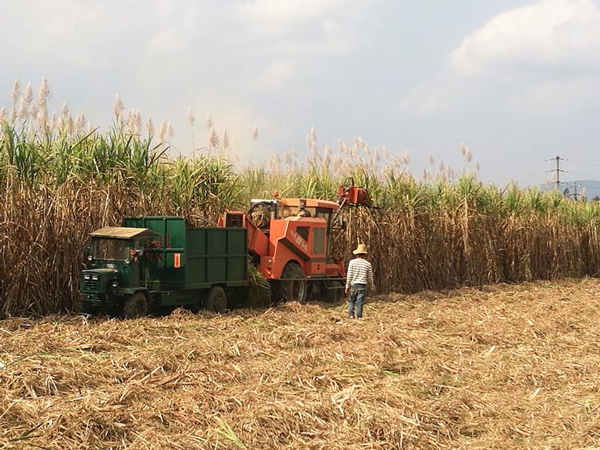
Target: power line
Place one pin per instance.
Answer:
(582, 174)
(530, 174)
(584, 163)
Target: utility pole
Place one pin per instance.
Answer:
(558, 170)
(575, 194)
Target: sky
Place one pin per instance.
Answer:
(517, 82)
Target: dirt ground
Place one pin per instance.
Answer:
(498, 367)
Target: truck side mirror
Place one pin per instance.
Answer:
(87, 253)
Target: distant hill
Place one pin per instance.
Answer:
(591, 188)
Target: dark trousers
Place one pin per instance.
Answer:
(358, 293)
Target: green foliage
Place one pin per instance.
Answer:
(59, 186)
(117, 157)
(259, 294)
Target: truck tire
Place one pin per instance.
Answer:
(87, 309)
(136, 306)
(295, 288)
(216, 301)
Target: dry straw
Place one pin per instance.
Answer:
(503, 368)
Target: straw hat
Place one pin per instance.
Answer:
(361, 250)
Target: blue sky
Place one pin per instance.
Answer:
(517, 82)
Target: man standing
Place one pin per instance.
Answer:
(358, 279)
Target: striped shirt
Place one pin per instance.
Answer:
(360, 271)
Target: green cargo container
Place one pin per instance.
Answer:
(204, 256)
(151, 262)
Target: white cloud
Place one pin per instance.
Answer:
(426, 99)
(165, 42)
(535, 60)
(276, 75)
(309, 27)
(547, 32)
(232, 58)
(556, 97)
(285, 16)
(50, 31)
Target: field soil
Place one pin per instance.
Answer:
(498, 367)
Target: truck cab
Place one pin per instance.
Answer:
(117, 262)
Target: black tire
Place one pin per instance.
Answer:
(88, 309)
(136, 306)
(294, 287)
(216, 301)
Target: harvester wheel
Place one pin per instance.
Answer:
(216, 300)
(295, 288)
(136, 306)
(334, 295)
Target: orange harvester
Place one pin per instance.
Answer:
(289, 242)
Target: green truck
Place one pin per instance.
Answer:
(151, 263)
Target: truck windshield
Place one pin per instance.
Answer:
(110, 249)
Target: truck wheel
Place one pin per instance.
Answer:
(216, 300)
(136, 306)
(296, 288)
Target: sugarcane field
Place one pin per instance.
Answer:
(325, 225)
(505, 366)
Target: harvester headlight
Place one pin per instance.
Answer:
(86, 276)
(90, 258)
(95, 277)
(114, 284)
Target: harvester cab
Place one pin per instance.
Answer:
(289, 241)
